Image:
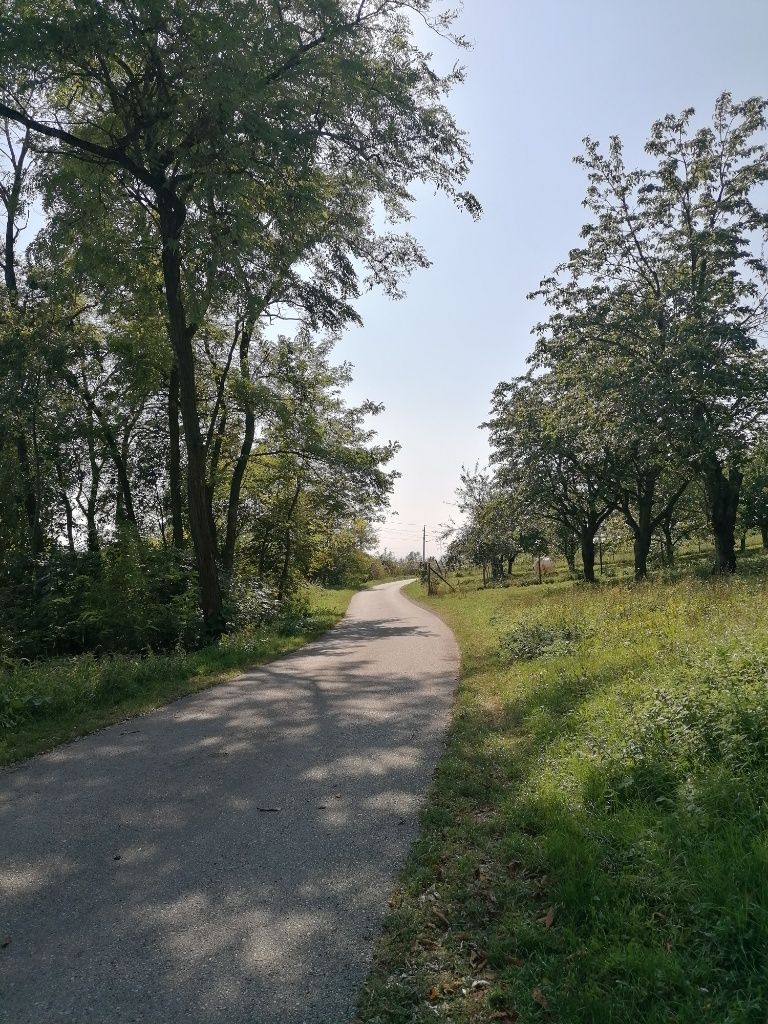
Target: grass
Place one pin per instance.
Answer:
(46, 703)
(595, 845)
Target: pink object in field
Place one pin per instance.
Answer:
(543, 564)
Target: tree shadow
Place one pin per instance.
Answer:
(228, 857)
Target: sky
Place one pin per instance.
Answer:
(540, 77)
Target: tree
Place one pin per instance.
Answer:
(543, 450)
(671, 275)
(255, 139)
(618, 407)
(316, 478)
(493, 533)
(753, 513)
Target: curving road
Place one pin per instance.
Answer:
(227, 858)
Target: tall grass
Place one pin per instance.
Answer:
(595, 847)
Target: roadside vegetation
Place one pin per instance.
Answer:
(594, 846)
(644, 408)
(180, 251)
(51, 701)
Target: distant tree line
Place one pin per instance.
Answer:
(211, 187)
(647, 395)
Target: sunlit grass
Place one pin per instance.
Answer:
(595, 848)
(50, 702)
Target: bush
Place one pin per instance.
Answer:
(128, 597)
(536, 638)
(250, 602)
(716, 714)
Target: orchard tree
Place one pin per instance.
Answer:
(255, 138)
(617, 403)
(495, 528)
(753, 512)
(671, 273)
(544, 449)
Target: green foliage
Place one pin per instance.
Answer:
(250, 602)
(128, 597)
(535, 637)
(343, 562)
(208, 168)
(649, 371)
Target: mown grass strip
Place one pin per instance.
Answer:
(595, 846)
(46, 703)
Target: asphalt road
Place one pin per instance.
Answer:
(228, 857)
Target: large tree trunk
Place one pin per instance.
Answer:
(93, 493)
(642, 531)
(126, 513)
(249, 433)
(588, 554)
(497, 568)
(12, 204)
(764, 534)
(201, 524)
(722, 490)
(174, 461)
(234, 490)
(642, 524)
(641, 547)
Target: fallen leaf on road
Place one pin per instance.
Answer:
(5, 942)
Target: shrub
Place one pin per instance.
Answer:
(250, 602)
(536, 638)
(128, 597)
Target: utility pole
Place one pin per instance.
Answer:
(424, 546)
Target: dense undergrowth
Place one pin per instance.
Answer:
(595, 848)
(49, 701)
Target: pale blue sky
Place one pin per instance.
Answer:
(541, 76)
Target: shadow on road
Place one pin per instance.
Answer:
(228, 857)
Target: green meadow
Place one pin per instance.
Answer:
(595, 845)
